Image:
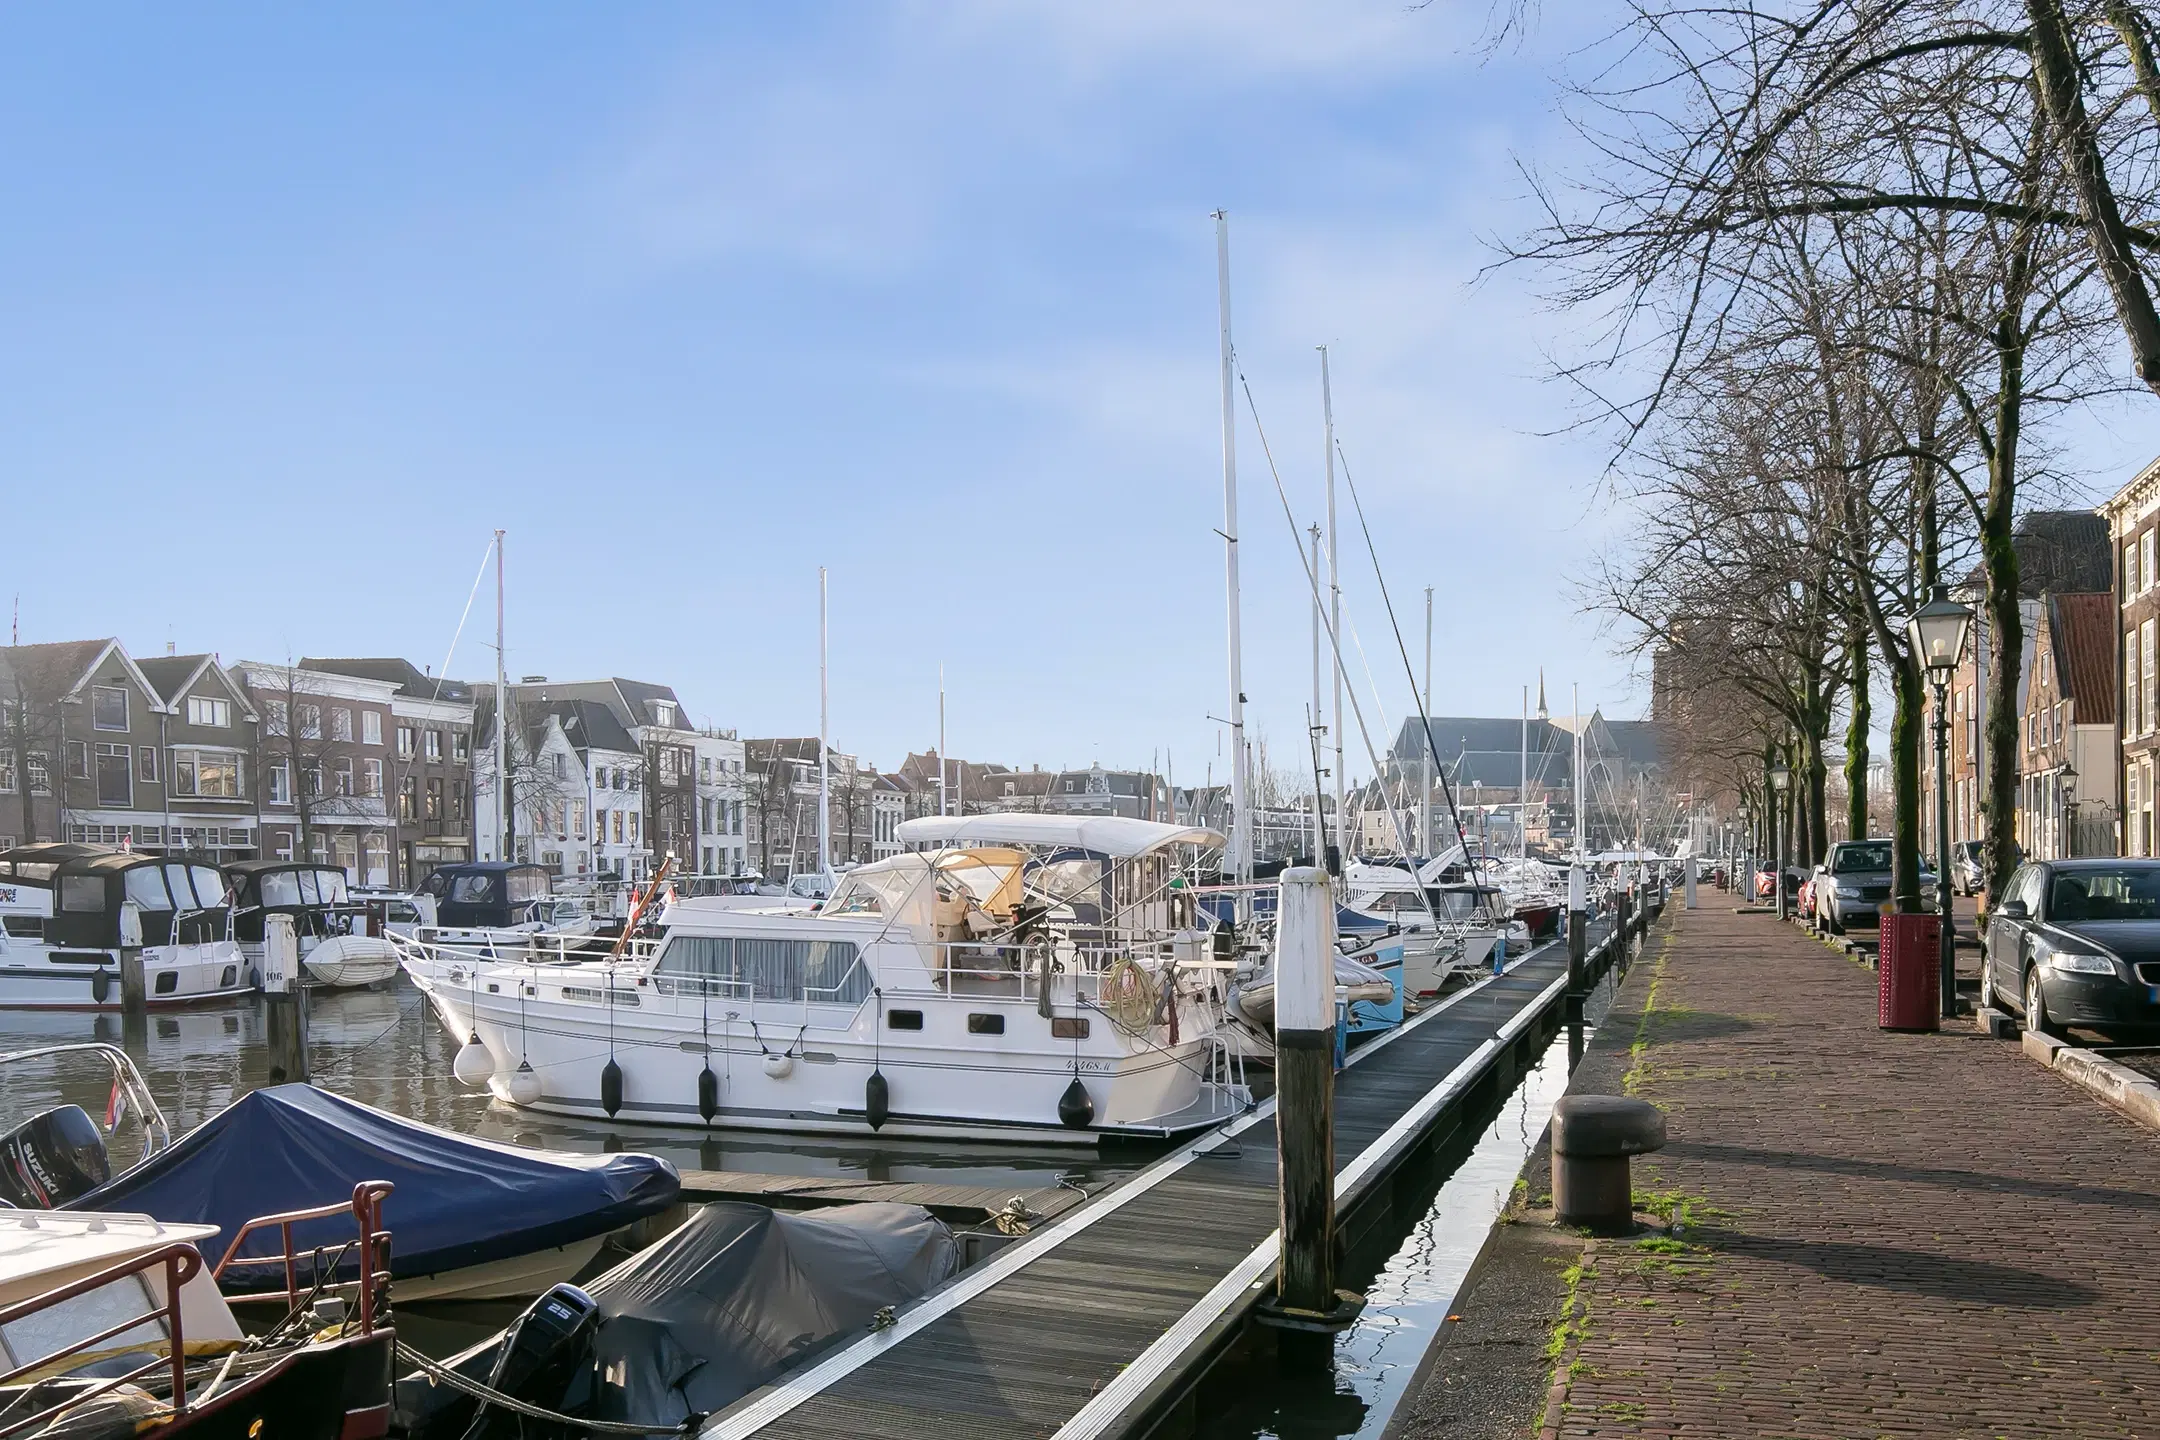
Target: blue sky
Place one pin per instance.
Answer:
(300, 303)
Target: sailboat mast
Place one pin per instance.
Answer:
(1582, 836)
(941, 739)
(1240, 820)
(503, 824)
(1319, 819)
(1327, 414)
(1425, 795)
(1522, 788)
(824, 769)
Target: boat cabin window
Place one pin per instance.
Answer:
(903, 1019)
(528, 885)
(1074, 882)
(209, 887)
(474, 890)
(82, 893)
(824, 972)
(145, 885)
(49, 1331)
(986, 1024)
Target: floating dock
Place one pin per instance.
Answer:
(1099, 1324)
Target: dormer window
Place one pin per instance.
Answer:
(664, 714)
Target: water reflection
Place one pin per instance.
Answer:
(1354, 1386)
(384, 1048)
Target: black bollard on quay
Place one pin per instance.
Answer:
(1592, 1138)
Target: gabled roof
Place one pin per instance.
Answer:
(58, 670)
(408, 677)
(586, 724)
(630, 700)
(175, 675)
(2082, 631)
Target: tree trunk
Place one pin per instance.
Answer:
(1856, 738)
(1905, 784)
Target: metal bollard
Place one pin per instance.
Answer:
(1592, 1138)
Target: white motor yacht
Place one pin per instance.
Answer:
(68, 912)
(1034, 977)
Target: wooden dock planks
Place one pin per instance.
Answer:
(1023, 1356)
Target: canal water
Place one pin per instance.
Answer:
(1410, 1282)
(385, 1048)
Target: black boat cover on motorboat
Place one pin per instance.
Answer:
(736, 1296)
(459, 1200)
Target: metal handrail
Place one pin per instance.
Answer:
(155, 1127)
(182, 1263)
(366, 1209)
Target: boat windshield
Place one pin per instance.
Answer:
(145, 885)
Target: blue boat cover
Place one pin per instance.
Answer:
(459, 1200)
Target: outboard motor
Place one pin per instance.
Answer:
(543, 1351)
(52, 1159)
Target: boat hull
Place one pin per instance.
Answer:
(172, 976)
(788, 1068)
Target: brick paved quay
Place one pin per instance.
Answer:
(1893, 1235)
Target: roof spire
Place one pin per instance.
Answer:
(1541, 694)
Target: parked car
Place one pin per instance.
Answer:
(1966, 868)
(2077, 942)
(1854, 883)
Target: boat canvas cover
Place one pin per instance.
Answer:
(459, 1201)
(733, 1298)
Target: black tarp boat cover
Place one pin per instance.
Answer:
(459, 1201)
(733, 1298)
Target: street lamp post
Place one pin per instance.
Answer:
(1780, 781)
(1937, 634)
(2068, 781)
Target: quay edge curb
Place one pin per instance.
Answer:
(2040, 1047)
(2125, 1089)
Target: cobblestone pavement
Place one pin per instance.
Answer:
(1885, 1235)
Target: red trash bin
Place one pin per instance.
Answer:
(1908, 976)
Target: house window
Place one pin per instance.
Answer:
(434, 745)
(618, 827)
(40, 772)
(577, 819)
(78, 753)
(281, 784)
(371, 777)
(206, 774)
(460, 745)
(146, 764)
(108, 708)
(2145, 562)
(664, 714)
(633, 827)
(310, 718)
(311, 780)
(405, 741)
(408, 800)
(276, 718)
(2130, 683)
(371, 727)
(562, 767)
(705, 769)
(434, 797)
(2149, 663)
(343, 777)
(7, 772)
(457, 804)
(115, 775)
(341, 724)
(203, 710)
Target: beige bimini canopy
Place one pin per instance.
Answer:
(899, 888)
(1114, 835)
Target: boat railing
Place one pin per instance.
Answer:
(181, 1262)
(373, 1241)
(127, 1080)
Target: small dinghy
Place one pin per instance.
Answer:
(1254, 999)
(475, 1220)
(733, 1299)
(347, 961)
